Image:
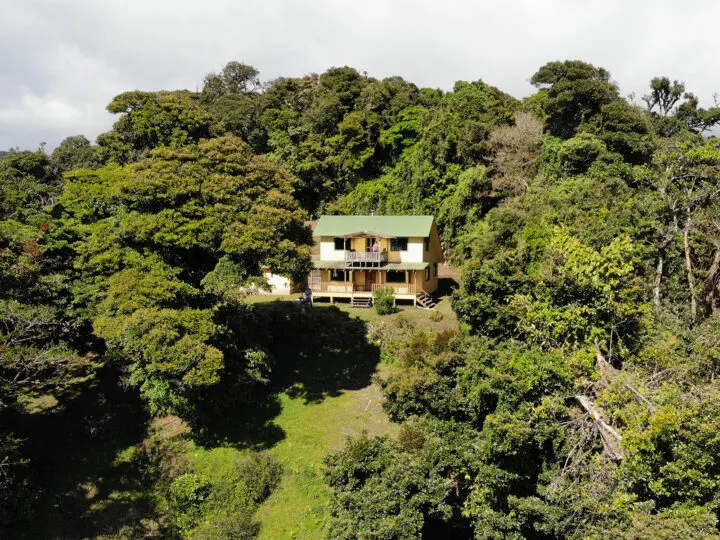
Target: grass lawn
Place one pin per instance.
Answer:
(298, 508)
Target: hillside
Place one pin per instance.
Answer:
(566, 387)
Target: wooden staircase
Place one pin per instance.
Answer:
(424, 300)
(360, 302)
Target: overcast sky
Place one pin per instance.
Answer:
(62, 61)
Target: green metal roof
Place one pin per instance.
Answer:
(387, 225)
(340, 265)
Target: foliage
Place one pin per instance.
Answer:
(75, 152)
(589, 299)
(577, 400)
(166, 247)
(383, 300)
(152, 119)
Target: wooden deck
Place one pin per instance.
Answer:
(338, 289)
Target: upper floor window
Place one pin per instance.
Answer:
(340, 241)
(435, 269)
(427, 244)
(398, 244)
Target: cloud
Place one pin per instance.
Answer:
(64, 61)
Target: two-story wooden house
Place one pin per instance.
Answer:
(358, 254)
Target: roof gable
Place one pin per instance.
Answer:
(381, 225)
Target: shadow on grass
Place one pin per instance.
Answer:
(318, 353)
(446, 286)
(72, 450)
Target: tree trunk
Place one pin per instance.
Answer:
(688, 266)
(657, 299)
(712, 283)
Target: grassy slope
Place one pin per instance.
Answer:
(299, 506)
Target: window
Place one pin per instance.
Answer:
(398, 244)
(435, 269)
(427, 244)
(427, 274)
(339, 243)
(339, 275)
(396, 276)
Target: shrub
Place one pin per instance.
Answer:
(237, 524)
(384, 301)
(186, 495)
(260, 473)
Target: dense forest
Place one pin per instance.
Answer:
(576, 398)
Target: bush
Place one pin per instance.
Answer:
(384, 301)
(187, 493)
(260, 473)
(237, 524)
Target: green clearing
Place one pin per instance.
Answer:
(298, 508)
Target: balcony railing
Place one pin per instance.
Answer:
(364, 259)
(398, 288)
(332, 286)
(343, 287)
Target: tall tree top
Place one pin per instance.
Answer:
(569, 70)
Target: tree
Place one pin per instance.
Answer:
(234, 78)
(37, 337)
(167, 247)
(664, 95)
(28, 184)
(576, 92)
(149, 120)
(674, 115)
(75, 152)
(685, 181)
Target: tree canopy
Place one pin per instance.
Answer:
(576, 398)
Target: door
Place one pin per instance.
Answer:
(369, 280)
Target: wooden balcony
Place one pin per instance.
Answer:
(365, 259)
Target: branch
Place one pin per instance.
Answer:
(610, 437)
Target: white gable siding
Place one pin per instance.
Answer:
(328, 251)
(415, 251)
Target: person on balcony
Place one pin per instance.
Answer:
(376, 247)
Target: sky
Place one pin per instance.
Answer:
(61, 62)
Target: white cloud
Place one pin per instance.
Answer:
(64, 61)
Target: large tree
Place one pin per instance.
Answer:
(167, 248)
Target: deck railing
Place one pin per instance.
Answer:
(365, 258)
(398, 288)
(332, 286)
